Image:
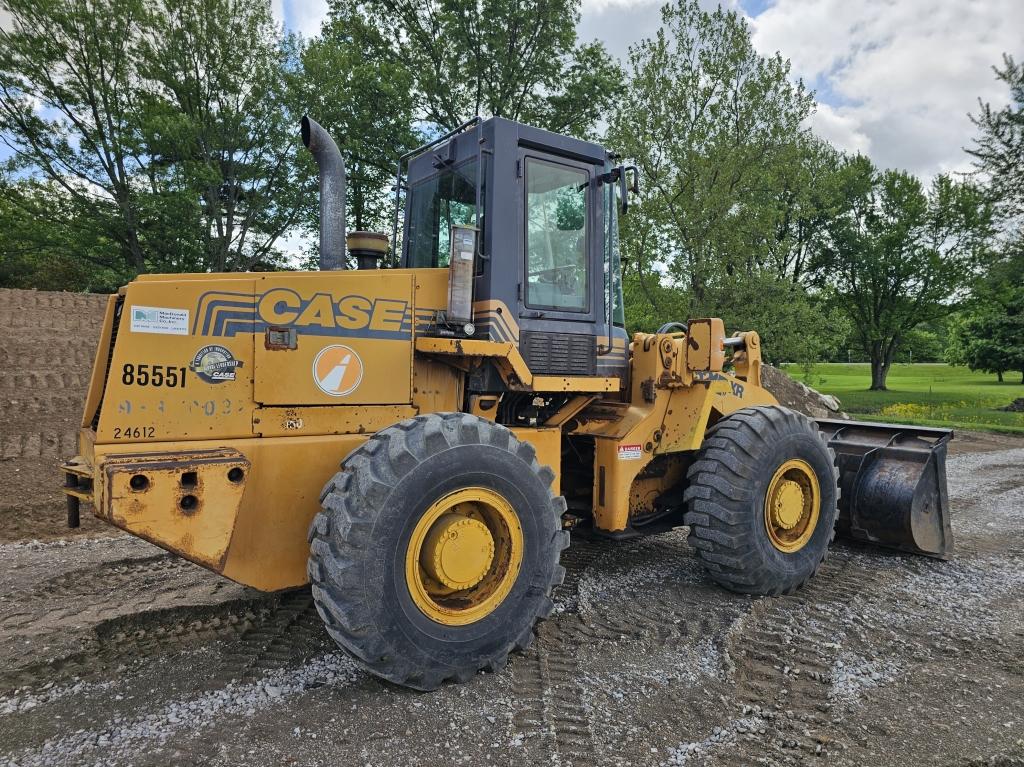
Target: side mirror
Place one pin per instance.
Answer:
(625, 187)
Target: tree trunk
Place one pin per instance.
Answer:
(999, 376)
(879, 370)
(881, 360)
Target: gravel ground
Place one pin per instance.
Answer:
(118, 654)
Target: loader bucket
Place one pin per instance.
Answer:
(893, 485)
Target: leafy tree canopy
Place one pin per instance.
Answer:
(518, 59)
(999, 148)
(989, 340)
(142, 118)
(899, 255)
(366, 102)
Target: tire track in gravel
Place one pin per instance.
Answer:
(138, 639)
(788, 651)
(782, 654)
(292, 632)
(671, 598)
(550, 710)
(83, 622)
(129, 572)
(256, 634)
(643, 593)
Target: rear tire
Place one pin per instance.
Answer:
(364, 562)
(749, 460)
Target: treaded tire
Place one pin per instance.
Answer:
(358, 545)
(725, 499)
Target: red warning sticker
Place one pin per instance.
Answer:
(630, 452)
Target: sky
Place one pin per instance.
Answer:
(895, 79)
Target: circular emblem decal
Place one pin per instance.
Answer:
(215, 364)
(337, 370)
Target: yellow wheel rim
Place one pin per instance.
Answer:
(792, 506)
(464, 556)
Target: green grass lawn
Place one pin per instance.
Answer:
(923, 394)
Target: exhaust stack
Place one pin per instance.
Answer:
(332, 193)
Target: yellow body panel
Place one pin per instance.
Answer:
(257, 537)
(664, 415)
(99, 364)
(185, 500)
(272, 421)
(369, 319)
(136, 409)
(548, 444)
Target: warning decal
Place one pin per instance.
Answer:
(630, 452)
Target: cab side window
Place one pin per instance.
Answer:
(437, 203)
(556, 236)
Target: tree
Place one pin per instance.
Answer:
(801, 196)
(48, 245)
(68, 90)
(989, 334)
(143, 125)
(220, 137)
(999, 149)
(990, 341)
(518, 59)
(709, 122)
(735, 192)
(899, 256)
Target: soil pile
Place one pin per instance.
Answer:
(799, 396)
(45, 362)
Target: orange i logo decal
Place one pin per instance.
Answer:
(337, 370)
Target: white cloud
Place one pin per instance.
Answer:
(277, 10)
(840, 129)
(305, 16)
(622, 23)
(897, 79)
(619, 23)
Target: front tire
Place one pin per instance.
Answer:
(437, 549)
(762, 500)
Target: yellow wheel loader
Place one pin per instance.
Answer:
(417, 437)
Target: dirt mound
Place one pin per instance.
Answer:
(45, 361)
(798, 396)
(1017, 406)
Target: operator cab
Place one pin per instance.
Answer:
(542, 217)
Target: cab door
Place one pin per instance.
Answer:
(560, 286)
